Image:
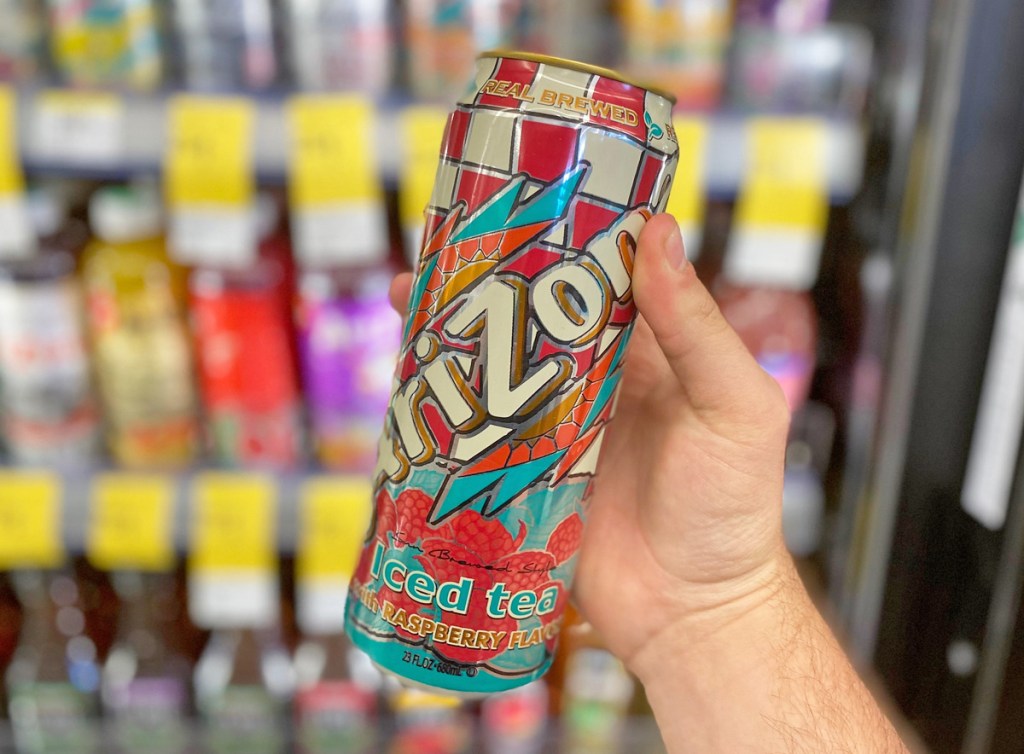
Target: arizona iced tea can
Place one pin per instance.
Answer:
(517, 326)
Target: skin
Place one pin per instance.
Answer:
(683, 571)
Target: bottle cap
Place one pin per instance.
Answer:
(123, 214)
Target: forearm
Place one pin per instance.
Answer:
(768, 676)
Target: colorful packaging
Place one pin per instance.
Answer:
(106, 43)
(444, 37)
(22, 39)
(348, 342)
(783, 15)
(143, 364)
(429, 724)
(340, 45)
(516, 722)
(247, 373)
(226, 45)
(48, 413)
(519, 319)
(681, 45)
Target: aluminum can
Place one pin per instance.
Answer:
(512, 352)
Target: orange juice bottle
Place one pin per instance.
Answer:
(141, 350)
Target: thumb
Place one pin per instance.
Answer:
(716, 371)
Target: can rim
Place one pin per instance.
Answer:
(575, 65)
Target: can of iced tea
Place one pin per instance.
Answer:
(517, 326)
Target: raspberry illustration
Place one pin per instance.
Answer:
(384, 514)
(413, 507)
(565, 540)
(487, 537)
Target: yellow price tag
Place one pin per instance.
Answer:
(11, 179)
(335, 514)
(131, 524)
(332, 156)
(422, 129)
(209, 153)
(233, 523)
(30, 534)
(787, 182)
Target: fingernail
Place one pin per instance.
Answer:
(674, 252)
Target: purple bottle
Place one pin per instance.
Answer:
(348, 343)
(783, 15)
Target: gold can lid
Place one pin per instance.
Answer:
(574, 65)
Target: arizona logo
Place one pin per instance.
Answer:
(514, 349)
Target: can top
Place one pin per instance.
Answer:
(574, 65)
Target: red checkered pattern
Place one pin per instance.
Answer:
(515, 129)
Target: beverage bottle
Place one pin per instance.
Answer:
(114, 43)
(680, 45)
(516, 722)
(48, 412)
(348, 343)
(340, 45)
(226, 45)
(595, 701)
(22, 39)
(140, 343)
(53, 680)
(145, 687)
(248, 376)
(426, 723)
(52, 222)
(336, 704)
(444, 37)
(243, 682)
(779, 326)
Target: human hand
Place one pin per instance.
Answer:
(684, 523)
(683, 570)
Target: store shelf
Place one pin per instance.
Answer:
(76, 501)
(140, 135)
(640, 734)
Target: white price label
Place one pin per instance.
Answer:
(80, 128)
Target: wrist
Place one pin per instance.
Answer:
(718, 621)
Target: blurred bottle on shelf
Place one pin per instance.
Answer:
(145, 687)
(243, 682)
(574, 29)
(53, 680)
(348, 343)
(679, 45)
(48, 411)
(824, 71)
(112, 43)
(516, 722)
(427, 723)
(140, 344)
(340, 45)
(247, 372)
(444, 37)
(779, 326)
(595, 701)
(337, 702)
(52, 222)
(226, 45)
(783, 15)
(22, 39)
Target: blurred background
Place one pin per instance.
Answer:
(202, 203)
